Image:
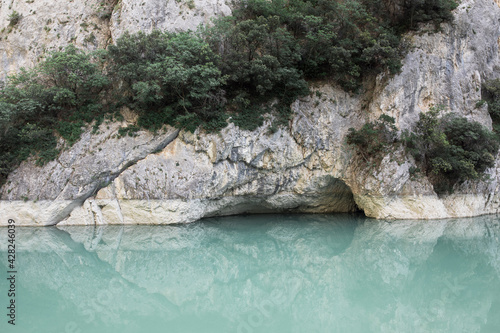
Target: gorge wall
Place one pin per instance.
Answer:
(177, 176)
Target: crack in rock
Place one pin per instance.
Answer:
(108, 178)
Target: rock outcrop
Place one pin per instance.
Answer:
(180, 177)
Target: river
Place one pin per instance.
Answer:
(261, 273)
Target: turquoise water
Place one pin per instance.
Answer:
(269, 273)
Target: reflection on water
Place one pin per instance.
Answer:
(270, 273)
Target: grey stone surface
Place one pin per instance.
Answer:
(306, 167)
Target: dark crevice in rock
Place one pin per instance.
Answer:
(335, 197)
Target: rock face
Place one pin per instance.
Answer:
(48, 25)
(181, 177)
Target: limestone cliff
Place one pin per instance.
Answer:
(177, 177)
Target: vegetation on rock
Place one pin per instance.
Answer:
(62, 93)
(374, 137)
(167, 78)
(491, 92)
(14, 18)
(451, 149)
(448, 149)
(256, 61)
(418, 11)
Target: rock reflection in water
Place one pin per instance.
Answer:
(270, 273)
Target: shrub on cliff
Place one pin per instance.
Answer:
(451, 149)
(260, 59)
(254, 53)
(418, 11)
(491, 92)
(374, 137)
(322, 38)
(60, 85)
(60, 93)
(14, 18)
(168, 78)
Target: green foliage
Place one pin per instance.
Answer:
(418, 11)
(179, 79)
(257, 56)
(480, 103)
(14, 18)
(317, 38)
(451, 149)
(129, 130)
(491, 93)
(242, 66)
(374, 137)
(74, 77)
(414, 172)
(70, 131)
(249, 118)
(62, 92)
(168, 78)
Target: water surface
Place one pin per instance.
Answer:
(268, 273)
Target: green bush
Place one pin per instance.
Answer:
(74, 77)
(167, 77)
(63, 92)
(374, 137)
(14, 18)
(418, 11)
(242, 66)
(319, 38)
(451, 149)
(260, 60)
(70, 131)
(491, 93)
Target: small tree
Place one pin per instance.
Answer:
(491, 92)
(14, 18)
(62, 93)
(74, 77)
(451, 149)
(168, 77)
(373, 137)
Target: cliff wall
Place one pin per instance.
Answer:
(177, 177)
